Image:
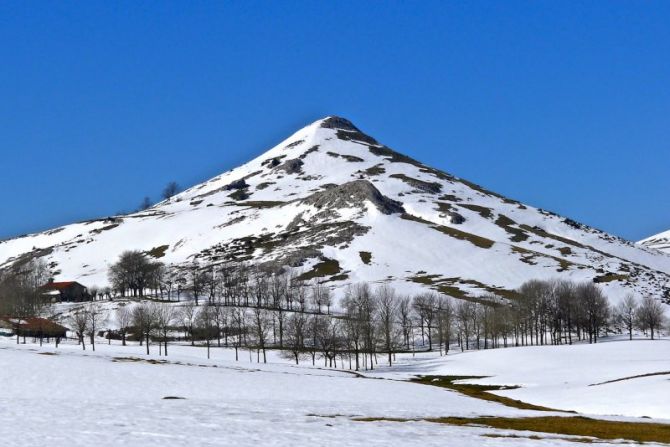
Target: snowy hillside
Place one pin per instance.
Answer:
(333, 201)
(660, 241)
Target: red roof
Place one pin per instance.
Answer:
(35, 324)
(58, 285)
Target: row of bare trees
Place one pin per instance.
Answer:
(377, 322)
(252, 308)
(248, 285)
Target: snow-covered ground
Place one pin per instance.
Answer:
(565, 377)
(70, 397)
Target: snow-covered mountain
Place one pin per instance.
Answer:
(660, 241)
(334, 203)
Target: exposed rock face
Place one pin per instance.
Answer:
(336, 122)
(293, 166)
(455, 218)
(346, 131)
(237, 184)
(430, 187)
(354, 193)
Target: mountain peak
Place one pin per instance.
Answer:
(337, 122)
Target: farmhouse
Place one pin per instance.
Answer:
(32, 327)
(66, 291)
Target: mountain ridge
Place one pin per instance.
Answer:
(660, 241)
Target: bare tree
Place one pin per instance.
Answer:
(79, 321)
(220, 315)
(124, 318)
(296, 327)
(327, 334)
(239, 322)
(133, 273)
(187, 316)
(197, 280)
(165, 316)
(650, 315)
(405, 316)
(464, 315)
(261, 327)
(353, 325)
(445, 321)
(96, 318)
(144, 319)
(145, 204)
(170, 190)
(625, 314)
(425, 307)
(387, 308)
(594, 308)
(320, 296)
(205, 322)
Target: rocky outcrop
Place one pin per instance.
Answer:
(354, 194)
(293, 166)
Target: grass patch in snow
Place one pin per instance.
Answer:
(429, 187)
(478, 391)
(264, 185)
(545, 234)
(105, 228)
(483, 211)
(565, 251)
(609, 277)
(450, 197)
(240, 194)
(327, 267)
(528, 256)
(309, 151)
(479, 241)
(294, 144)
(484, 191)
(341, 277)
(351, 158)
(504, 222)
(444, 207)
(536, 438)
(393, 156)
(158, 252)
(375, 170)
(259, 203)
(560, 425)
(450, 287)
(366, 257)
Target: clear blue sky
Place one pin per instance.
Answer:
(563, 105)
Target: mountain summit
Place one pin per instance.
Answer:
(660, 241)
(335, 205)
